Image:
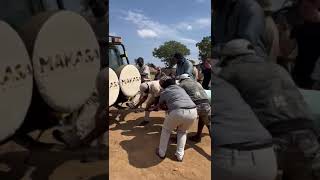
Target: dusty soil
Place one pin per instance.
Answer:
(51, 162)
(131, 156)
(132, 151)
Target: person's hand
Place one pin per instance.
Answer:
(151, 108)
(163, 107)
(154, 108)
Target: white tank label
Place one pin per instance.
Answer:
(15, 81)
(66, 61)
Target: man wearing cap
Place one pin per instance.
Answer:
(152, 90)
(184, 66)
(182, 113)
(242, 147)
(239, 19)
(159, 73)
(200, 98)
(143, 69)
(279, 105)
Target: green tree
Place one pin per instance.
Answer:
(204, 47)
(168, 49)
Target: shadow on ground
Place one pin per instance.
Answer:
(121, 113)
(100, 177)
(145, 141)
(42, 162)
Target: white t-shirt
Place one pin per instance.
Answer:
(144, 70)
(154, 88)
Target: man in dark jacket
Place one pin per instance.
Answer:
(184, 66)
(201, 99)
(242, 146)
(279, 105)
(239, 19)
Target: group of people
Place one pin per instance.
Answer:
(183, 98)
(262, 127)
(201, 74)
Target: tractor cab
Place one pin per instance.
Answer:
(117, 53)
(128, 75)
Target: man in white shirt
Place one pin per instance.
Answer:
(143, 69)
(150, 92)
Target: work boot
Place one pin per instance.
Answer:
(157, 153)
(178, 158)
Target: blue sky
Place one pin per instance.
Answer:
(146, 24)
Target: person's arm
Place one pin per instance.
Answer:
(101, 115)
(145, 71)
(162, 105)
(275, 49)
(177, 72)
(142, 99)
(189, 68)
(196, 76)
(155, 104)
(162, 102)
(182, 85)
(251, 23)
(101, 126)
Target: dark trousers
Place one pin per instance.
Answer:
(228, 164)
(205, 83)
(298, 155)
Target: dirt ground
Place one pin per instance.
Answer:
(132, 151)
(131, 156)
(52, 162)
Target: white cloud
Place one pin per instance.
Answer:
(112, 34)
(187, 40)
(184, 26)
(194, 24)
(153, 28)
(149, 28)
(203, 22)
(147, 33)
(144, 22)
